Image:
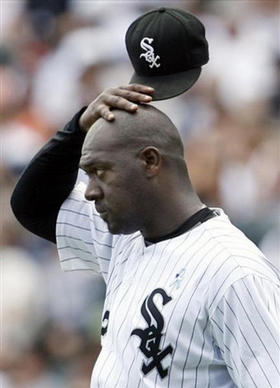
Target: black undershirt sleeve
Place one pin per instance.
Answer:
(48, 180)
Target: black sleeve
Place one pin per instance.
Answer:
(48, 180)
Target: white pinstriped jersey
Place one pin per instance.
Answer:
(198, 310)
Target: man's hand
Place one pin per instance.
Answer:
(123, 97)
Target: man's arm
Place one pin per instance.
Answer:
(246, 330)
(51, 175)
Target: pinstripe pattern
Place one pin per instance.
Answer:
(221, 317)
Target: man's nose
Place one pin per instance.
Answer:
(93, 191)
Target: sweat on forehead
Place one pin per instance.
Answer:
(147, 126)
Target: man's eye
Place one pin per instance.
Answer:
(99, 172)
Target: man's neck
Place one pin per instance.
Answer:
(195, 220)
(167, 217)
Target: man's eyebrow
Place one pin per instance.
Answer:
(93, 162)
(85, 165)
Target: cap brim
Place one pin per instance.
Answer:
(168, 86)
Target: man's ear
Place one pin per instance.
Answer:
(151, 160)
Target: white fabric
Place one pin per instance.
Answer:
(205, 302)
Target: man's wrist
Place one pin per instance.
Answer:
(74, 125)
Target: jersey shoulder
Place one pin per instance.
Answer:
(237, 258)
(237, 246)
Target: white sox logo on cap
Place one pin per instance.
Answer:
(149, 54)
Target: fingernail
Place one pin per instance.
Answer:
(147, 98)
(134, 106)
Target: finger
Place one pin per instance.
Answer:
(132, 96)
(138, 88)
(120, 103)
(105, 112)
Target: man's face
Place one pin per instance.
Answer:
(116, 184)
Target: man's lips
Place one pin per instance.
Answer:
(104, 215)
(102, 212)
(100, 209)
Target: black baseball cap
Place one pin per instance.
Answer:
(167, 47)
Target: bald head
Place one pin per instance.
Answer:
(147, 127)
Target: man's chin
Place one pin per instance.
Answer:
(115, 228)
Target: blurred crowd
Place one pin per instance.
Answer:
(55, 57)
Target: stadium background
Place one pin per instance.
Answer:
(55, 56)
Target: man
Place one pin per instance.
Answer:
(190, 301)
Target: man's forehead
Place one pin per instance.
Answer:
(96, 142)
(99, 130)
(99, 147)
(94, 156)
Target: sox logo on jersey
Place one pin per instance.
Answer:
(151, 336)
